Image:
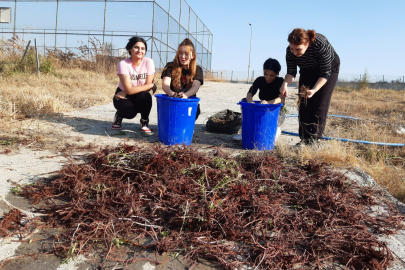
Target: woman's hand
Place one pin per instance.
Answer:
(283, 90)
(183, 95)
(264, 102)
(120, 95)
(311, 93)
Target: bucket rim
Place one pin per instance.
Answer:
(164, 96)
(257, 104)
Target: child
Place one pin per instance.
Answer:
(268, 86)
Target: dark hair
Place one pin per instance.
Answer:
(272, 64)
(299, 36)
(132, 41)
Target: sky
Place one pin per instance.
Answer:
(366, 34)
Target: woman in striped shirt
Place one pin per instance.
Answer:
(319, 69)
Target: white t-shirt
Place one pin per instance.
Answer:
(138, 74)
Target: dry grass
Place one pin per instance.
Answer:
(382, 113)
(71, 89)
(382, 105)
(67, 81)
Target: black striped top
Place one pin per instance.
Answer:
(319, 54)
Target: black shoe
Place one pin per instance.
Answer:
(145, 126)
(117, 122)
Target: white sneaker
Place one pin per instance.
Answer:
(237, 137)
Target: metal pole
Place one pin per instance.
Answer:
(66, 42)
(231, 75)
(168, 30)
(56, 25)
(105, 12)
(250, 50)
(383, 78)
(44, 43)
(180, 21)
(15, 15)
(36, 54)
(26, 49)
(208, 52)
(88, 46)
(160, 48)
(153, 28)
(212, 41)
(188, 26)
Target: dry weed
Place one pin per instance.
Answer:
(382, 114)
(72, 89)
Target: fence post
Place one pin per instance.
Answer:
(26, 49)
(168, 30)
(231, 75)
(188, 26)
(66, 42)
(44, 43)
(180, 21)
(153, 29)
(105, 14)
(15, 15)
(36, 54)
(383, 78)
(56, 24)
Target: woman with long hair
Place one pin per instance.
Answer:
(136, 75)
(319, 70)
(183, 77)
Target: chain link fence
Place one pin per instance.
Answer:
(70, 24)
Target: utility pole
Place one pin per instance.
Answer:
(250, 50)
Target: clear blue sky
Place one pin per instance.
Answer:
(365, 33)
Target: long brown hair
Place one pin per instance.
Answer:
(299, 36)
(176, 68)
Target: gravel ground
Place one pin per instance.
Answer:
(29, 163)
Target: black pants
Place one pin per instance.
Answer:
(198, 111)
(134, 104)
(313, 111)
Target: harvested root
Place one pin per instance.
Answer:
(250, 210)
(302, 95)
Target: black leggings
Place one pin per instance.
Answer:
(138, 103)
(313, 111)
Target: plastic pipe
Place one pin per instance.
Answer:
(343, 139)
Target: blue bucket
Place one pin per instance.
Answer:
(259, 125)
(176, 119)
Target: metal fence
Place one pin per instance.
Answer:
(241, 76)
(69, 24)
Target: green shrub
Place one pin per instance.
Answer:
(46, 66)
